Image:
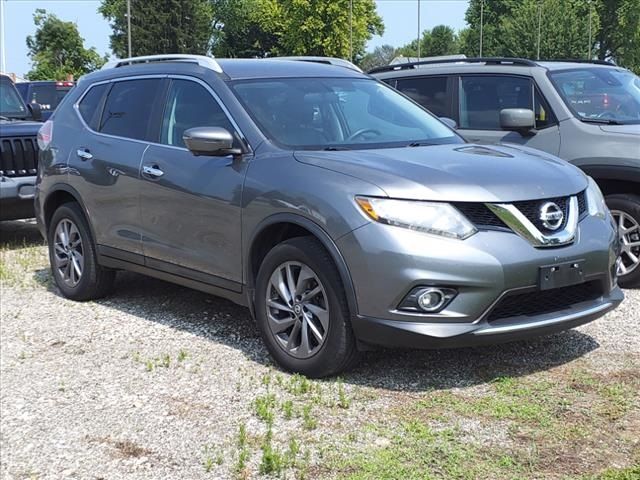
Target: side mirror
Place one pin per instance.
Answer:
(449, 122)
(211, 141)
(520, 120)
(35, 110)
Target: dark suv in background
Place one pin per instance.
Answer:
(48, 94)
(19, 125)
(585, 112)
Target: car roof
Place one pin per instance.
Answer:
(240, 69)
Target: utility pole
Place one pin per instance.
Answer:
(418, 29)
(539, 27)
(481, 24)
(3, 61)
(129, 26)
(351, 29)
(589, 50)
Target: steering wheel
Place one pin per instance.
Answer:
(362, 131)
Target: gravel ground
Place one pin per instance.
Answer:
(157, 381)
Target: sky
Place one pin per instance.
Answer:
(400, 19)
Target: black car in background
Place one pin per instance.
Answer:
(19, 125)
(48, 94)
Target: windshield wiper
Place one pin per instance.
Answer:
(420, 144)
(2, 117)
(602, 121)
(335, 149)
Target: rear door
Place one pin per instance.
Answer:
(190, 205)
(435, 93)
(480, 99)
(105, 164)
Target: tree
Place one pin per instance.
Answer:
(320, 27)
(493, 13)
(440, 40)
(380, 57)
(56, 50)
(160, 26)
(619, 35)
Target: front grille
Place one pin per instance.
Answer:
(546, 301)
(18, 156)
(480, 215)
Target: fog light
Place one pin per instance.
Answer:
(427, 299)
(431, 300)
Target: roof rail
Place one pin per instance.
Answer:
(203, 61)
(577, 60)
(340, 62)
(488, 60)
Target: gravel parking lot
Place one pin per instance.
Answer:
(158, 381)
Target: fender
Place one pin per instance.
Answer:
(612, 172)
(63, 187)
(322, 236)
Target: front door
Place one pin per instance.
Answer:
(481, 97)
(190, 205)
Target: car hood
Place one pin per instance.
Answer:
(12, 128)
(625, 129)
(460, 172)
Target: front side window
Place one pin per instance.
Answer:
(602, 95)
(190, 105)
(430, 92)
(325, 113)
(127, 109)
(90, 105)
(482, 98)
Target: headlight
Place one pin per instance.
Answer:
(430, 217)
(595, 200)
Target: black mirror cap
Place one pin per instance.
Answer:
(210, 141)
(35, 110)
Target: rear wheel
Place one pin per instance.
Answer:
(73, 258)
(626, 212)
(302, 310)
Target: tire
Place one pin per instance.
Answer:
(80, 278)
(310, 267)
(628, 206)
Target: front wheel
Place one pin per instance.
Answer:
(625, 210)
(302, 310)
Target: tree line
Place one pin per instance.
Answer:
(595, 29)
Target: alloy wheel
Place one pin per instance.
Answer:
(629, 234)
(68, 252)
(297, 309)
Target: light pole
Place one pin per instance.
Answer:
(3, 62)
(418, 29)
(589, 51)
(129, 26)
(539, 27)
(351, 29)
(481, 24)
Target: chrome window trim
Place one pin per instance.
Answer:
(76, 107)
(521, 225)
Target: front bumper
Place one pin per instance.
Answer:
(387, 262)
(17, 197)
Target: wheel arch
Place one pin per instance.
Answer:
(614, 179)
(59, 195)
(283, 226)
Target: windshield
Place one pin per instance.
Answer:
(604, 95)
(11, 104)
(338, 113)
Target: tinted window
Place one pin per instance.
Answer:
(429, 92)
(90, 105)
(127, 110)
(319, 113)
(482, 98)
(11, 104)
(190, 105)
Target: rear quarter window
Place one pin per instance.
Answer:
(90, 105)
(430, 92)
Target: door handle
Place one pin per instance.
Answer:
(84, 154)
(152, 171)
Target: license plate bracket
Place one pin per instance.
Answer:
(561, 275)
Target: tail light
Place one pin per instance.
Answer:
(45, 134)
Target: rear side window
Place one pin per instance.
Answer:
(90, 105)
(127, 109)
(190, 105)
(430, 92)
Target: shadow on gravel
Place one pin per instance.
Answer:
(20, 234)
(404, 370)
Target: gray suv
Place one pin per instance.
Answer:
(585, 112)
(341, 213)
